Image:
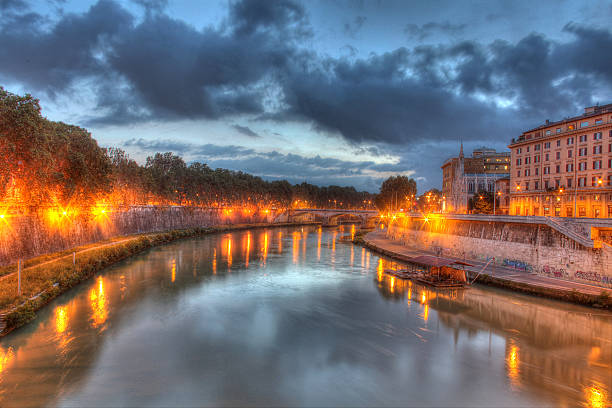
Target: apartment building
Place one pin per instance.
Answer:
(564, 168)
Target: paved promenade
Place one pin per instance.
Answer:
(378, 239)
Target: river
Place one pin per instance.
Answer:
(293, 316)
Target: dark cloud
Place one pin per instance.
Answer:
(12, 5)
(245, 130)
(353, 27)
(163, 69)
(285, 16)
(420, 32)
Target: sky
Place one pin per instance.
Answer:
(345, 92)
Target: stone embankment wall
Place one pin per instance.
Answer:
(530, 247)
(31, 235)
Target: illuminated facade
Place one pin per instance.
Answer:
(462, 177)
(564, 168)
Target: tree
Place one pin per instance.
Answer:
(430, 201)
(481, 202)
(395, 193)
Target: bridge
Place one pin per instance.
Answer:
(333, 216)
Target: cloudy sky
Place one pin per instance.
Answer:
(341, 92)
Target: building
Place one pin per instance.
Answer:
(462, 177)
(564, 168)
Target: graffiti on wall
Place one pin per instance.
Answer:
(516, 264)
(593, 277)
(554, 272)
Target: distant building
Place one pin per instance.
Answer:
(564, 168)
(462, 177)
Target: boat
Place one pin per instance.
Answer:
(434, 271)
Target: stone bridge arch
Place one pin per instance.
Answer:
(330, 217)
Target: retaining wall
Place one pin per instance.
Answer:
(26, 236)
(530, 247)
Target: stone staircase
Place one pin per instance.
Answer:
(571, 230)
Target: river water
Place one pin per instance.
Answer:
(296, 317)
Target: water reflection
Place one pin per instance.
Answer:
(512, 362)
(546, 350)
(61, 319)
(6, 355)
(264, 249)
(328, 332)
(596, 397)
(97, 297)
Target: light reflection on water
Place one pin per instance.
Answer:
(309, 327)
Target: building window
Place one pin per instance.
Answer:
(547, 145)
(569, 167)
(546, 170)
(548, 132)
(527, 186)
(583, 138)
(557, 183)
(597, 149)
(546, 185)
(558, 169)
(571, 127)
(518, 173)
(519, 150)
(610, 148)
(547, 157)
(569, 182)
(584, 124)
(582, 151)
(597, 136)
(598, 121)
(597, 165)
(527, 173)
(582, 211)
(471, 187)
(581, 181)
(537, 147)
(570, 141)
(610, 211)
(582, 166)
(537, 171)
(558, 130)
(569, 211)
(596, 211)
(536, 185)
(527, 160)
(558, 156)
(610, 163)
(527, 149)
(569, 154)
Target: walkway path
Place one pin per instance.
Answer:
(380, 240)
(70, 255)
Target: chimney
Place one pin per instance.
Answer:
(547, 121)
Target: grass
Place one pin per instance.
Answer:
(42, 283)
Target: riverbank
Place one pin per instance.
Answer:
(46, 277)
(503, 277)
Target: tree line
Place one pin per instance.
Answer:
(52, 163)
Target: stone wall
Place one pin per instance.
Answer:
(26, 236)
(529, 247)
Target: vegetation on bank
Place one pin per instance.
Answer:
(42, 283)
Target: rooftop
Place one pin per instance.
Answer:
(589, 111)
